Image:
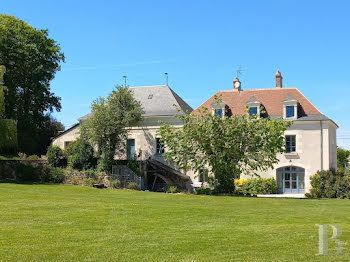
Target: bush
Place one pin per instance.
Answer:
(133, 186)
(173, 189)
(203, 191)
(22, 155)
(90, 173)
(80, 155)
(38, 173)
(255, 186)
(330, 184)
(88, 181)
(56, 157)
(116, 183)
(27, 172)
(33, 157)
(52, 175)
(74, 181)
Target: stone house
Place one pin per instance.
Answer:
(160, 104)
(310, 141)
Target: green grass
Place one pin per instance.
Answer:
(72, 223)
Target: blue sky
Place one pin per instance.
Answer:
(200, 44)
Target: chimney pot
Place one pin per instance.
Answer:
(278, 79)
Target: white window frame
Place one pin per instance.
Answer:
(291, 144)
(290, 101)
(218, 106)
(253, 102)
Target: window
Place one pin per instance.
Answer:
(130, 149)
(290, 111)
(66, 144)
(253, 110)
(159, 148)
(218, 112)
(290, 144)
(203, 175)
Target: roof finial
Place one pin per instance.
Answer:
(166, 78)
(124, 80)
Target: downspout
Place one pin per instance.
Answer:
(321, 126)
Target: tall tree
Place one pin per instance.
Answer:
(31, 59)
(228, 146)
(8, 127)
(106, 128)
(342, 158)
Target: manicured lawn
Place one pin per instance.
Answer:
(71, 223)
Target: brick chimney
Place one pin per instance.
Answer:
(236, 84)
(278, 79)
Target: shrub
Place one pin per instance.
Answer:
(74, 181)
(255, 186)
(80, 155)
(56, 157)
(52, 175)
(116, 183)
(22, 155)
(33, 157)
(203, 191)
(330, 184)
(88, 181)
(133, 186)
(90, 173)
(173, 189)
(27, 172)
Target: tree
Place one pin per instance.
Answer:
(342, 158)
(56, 156)
(106, 129)
(80, 155)
(31, 59)
(8, 127)
(228, 146)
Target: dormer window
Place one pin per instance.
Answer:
(253, 105)
(218, 109)
(290, 111)
(218, 112)
(253, 110)
(290, 108)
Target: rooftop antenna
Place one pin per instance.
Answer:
(166, 78)
(124, 81)
(239, 71)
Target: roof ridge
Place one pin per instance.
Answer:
(260, 89)
(150, 86)
(182, 103)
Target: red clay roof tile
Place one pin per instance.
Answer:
(271, 99)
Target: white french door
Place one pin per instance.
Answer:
(291, 180)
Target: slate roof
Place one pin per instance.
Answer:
(271, 99)
(157, 101)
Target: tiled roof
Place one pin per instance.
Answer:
(272, 100)
(157, 101)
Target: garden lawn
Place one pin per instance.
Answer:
(72, 223)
